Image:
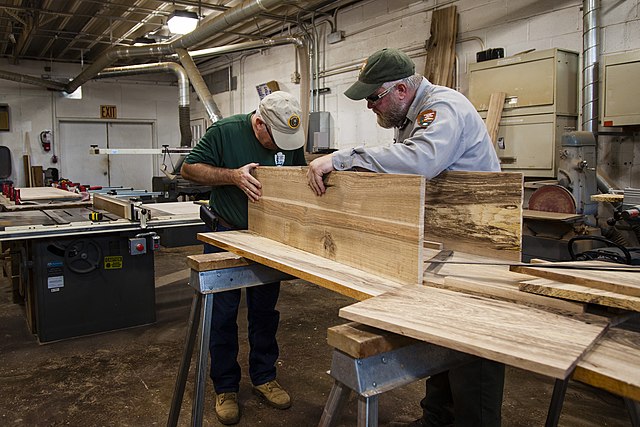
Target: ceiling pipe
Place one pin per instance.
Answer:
(207, 28)
(184, 114)
(239, 47)
(22, 78)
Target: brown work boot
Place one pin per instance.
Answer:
(274, 394)
(227, 409)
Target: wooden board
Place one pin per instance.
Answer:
(613, 363)
(324, 272)
(441, 46)
(509, 292)
(44, 194)
(362, 341)
(122, 208)
(551, 216)
(622, 282)
(574, 292)
(611, 198)
(494, 114)
(476, 212)
(173, 209)
(216, 261)
(369, 221)
(520, 336)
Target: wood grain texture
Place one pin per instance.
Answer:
(362, 341)
(476, 212)
(520, 336)
(113, 205)
(621, 282)
(441, 46)
(568, 291)
(613, 363)
(372, 222)
(510, 292)
(494, 114)
(216, 261)
(324, 272)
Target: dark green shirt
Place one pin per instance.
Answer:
(230, 143)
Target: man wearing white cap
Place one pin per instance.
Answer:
(224, 158)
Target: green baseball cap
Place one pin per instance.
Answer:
(385, 65)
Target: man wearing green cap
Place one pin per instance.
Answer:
(224, 158)
(435, 129)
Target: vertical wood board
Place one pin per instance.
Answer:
(372, 222)
(441, 46)
(517, 335)
(476, 212)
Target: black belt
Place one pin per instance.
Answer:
(212, 220)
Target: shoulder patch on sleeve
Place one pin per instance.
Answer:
(426, 118)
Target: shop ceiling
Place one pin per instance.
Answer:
(81, 30)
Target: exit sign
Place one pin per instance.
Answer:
(108, 112)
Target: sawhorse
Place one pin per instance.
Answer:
(210, 274)
(370, 361)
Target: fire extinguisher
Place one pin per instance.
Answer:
(45, 140)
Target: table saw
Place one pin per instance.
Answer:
(77, 276)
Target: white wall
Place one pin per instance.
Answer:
(34, 109)
(515, 25)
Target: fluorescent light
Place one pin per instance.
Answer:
(182, 21)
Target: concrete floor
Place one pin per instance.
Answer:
(126, 377)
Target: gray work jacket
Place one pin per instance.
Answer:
(442, 131)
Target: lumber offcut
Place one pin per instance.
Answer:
(441, 46)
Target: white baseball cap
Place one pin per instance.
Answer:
(281, 111)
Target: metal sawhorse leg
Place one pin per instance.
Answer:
(370, 370)
(210, 274)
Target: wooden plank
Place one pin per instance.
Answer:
(550, 216)
(362, 341)
(37, 176)
(510, 292)
(173, 209)
(611, 198)
(372, 222)
(622, 282)
(613, 363)
(494, 114)
(26, 165)
(552, 288)
(43, 194)
(118, 207)
(216, 261)
(441, 46)
(354, 283)
(520, 336)
(476, 212)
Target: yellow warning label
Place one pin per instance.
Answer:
(112, 262)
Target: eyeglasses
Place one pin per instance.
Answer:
(270, 134)
(375, 98)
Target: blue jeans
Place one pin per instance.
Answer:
(263, 324)
(466, 396)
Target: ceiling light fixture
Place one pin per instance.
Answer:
(182, 21)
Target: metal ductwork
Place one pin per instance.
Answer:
(590, 61)
(199, 85)
(207, 28)
(183, 90)
(22, 78)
